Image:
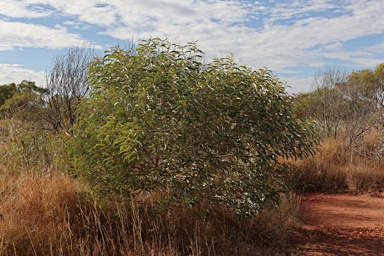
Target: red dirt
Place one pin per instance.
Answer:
(340, 225)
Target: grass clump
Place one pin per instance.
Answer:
(53, 214)
(339, 167)
(44, 211)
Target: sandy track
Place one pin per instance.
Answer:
(340, 225)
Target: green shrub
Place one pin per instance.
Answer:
(161, 119)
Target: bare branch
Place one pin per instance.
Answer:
(67, 82)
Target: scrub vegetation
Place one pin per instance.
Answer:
(348, 109)
(151, 151)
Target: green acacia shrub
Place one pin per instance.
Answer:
(160, 119)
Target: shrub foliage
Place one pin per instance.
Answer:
(160, 119)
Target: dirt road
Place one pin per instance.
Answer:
(340, 225)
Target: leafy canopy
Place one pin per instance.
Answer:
(160, 119)
(21, 100)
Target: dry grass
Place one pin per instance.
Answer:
(46, 212)
(339, 168)
(53, 214)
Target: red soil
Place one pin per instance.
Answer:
(340, 225)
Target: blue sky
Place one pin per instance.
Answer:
(293, 38)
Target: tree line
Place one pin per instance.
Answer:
(347, 105)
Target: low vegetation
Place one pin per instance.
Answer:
(349, 111)
(161, 154)
(53, 214)
(47, 212)
(337, 168)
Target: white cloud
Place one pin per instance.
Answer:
(300, 9)
(306, 36)
(18, 34)
(296, 84)
(92, 11)
(282, 35)
(77, 25)
(376, 48)
(273, 45)
(21, 9)
(15, 73)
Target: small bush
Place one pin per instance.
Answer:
(27, 147)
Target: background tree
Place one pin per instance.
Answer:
(327, 101)
(22, 101)
(6, 92)
(369, 83)
(67, 82)
(343, 104)
(160, 119)
(23, 131)
(364, 89)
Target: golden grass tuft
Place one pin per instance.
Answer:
(53, 214)
(338, 167)
(46, 212)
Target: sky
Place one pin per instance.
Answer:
(296, 39)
